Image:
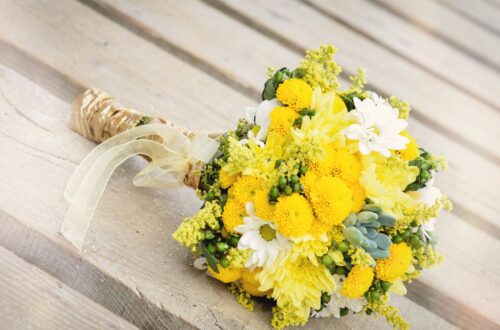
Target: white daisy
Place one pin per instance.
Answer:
(262, 238)
(260, 116)
(338, 302)
(377, 126)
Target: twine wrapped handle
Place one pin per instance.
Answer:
(175, 156)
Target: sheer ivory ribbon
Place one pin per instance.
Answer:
(171, 160)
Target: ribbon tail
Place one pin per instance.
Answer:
(87, 195)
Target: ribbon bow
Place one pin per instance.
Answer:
(171, 161)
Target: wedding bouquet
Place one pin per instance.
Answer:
(319, 201)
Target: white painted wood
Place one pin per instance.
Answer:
(438, 20)
(482, 12)
(31, 299)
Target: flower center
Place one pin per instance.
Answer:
(267, 233)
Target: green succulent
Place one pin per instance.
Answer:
(361, 230)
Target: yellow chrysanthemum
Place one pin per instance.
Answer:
(331, 200)
(244, 188)
(295, 93)
(251, 284)
(225, 179)
(318, 228)
(396, 265)
(297, 282)
(358, 281)
(346, 166)
(293, 215)
(233, 214)
(263, 209)
(282, 121)
(309, 180)
(338, 104)
(411, 151)
(358, 196)
(226, 275)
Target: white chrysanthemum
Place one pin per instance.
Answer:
(377, 126)
(338, 302)
(260, 116)
(262, 238)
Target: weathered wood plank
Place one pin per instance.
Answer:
(408, 41)
(136, 252)
(31, 299)
(450, 27)
(480, 12)
(436, 102)
(129, 237)
(190, 35)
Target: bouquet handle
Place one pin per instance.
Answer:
(176, 156)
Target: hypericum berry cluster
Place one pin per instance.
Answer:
(426, 165)
(215, 247)
(289, 183)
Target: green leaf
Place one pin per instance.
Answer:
(211, 260)
(269, 89)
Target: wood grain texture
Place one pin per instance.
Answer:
(434, 101)
(191, 33)
(450, 27)
(481, 13)
(418, 47)
(31, 299)
(129, 238)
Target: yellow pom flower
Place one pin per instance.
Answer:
(282, 121)
(331, 200)
(411, 152)
(338, 104)
(226, 275)
(225, 179)
(358, 281)
(295, 93)
(396, 265)
(293, 215)
(244, 188)
(318, 228)
(233, 214)
(346, 166)
(309, 180)
(263, 209)
(251, 284)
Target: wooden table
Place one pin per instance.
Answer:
(199, 63)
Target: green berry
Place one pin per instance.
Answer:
(414, 223)
(375, 295)
(294, 179)
(278, 76)
(343, 246)
(397, 239)
(419, 244)
(222, 247)
(425, 175)
(233, 241)
(303, 169)
(282, 181)
(278, 163)
(385, 285)
(209, 235)
(201, 236)
(327, 260)
(325, 298)
(274, 193)
(211, 248)
(288, 190)
(340, 271)
(224, 262)
(406, 234)
(414, 240)
(296, 166)
(297, 187)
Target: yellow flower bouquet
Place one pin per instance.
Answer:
(319, 201)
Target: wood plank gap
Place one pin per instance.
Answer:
(142, 30)
(394, 51)
(468, 17)
(64, 87)
(448, 308)
(250, 22)
(437, 35)
(77, 273)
